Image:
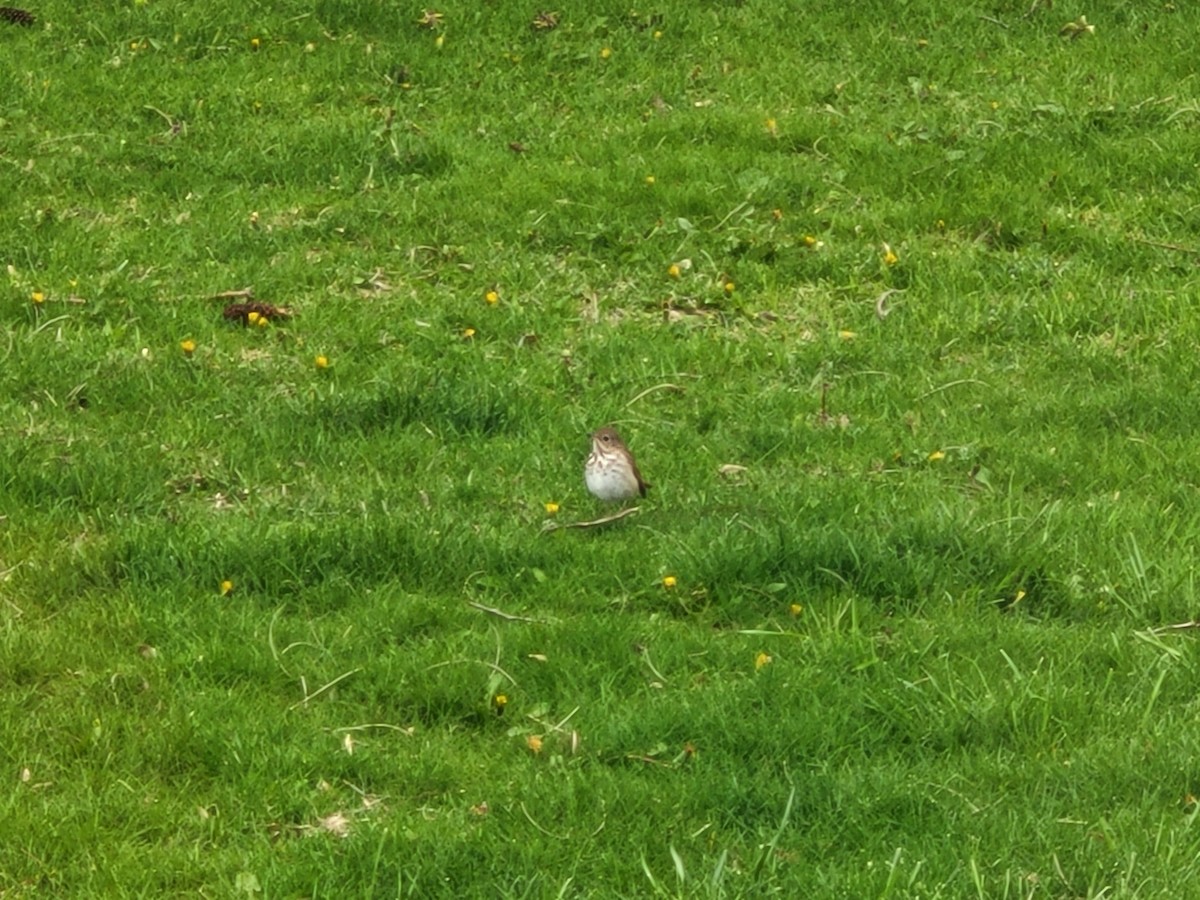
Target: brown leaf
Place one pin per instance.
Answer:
(430, 19)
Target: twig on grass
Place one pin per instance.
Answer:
(603, 520)
(244, 294)
(950, 384)
(881, 308)
(408, 730)
(480, 662)
(1165, 245)
(666, 386)
(501, 614)
(1036, 5)
(559, 727)
(322, 689)
(643, 651)
(1181, 626)
(561, 837)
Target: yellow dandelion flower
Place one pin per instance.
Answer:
(322, 362)
(468, 333)
(255, 43)
(771, 128)
(38, 297)
(673, 270)
(889, 256)
(658, 35)
(729, 287)
(551, 508)
(253, 317)
(226, 588)
(606, 53)
(492, 297)
(650, 180)
(796, 608)
(188, 347)
(263, 322)
(763, 659)
(499, 702)
(669, 582)
(534, 743)
(810, 241)
(936, 455)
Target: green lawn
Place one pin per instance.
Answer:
(894, 302)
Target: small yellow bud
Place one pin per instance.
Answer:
(188, 347)
(226, 588)
(322, 362)
(606, 53)
(669, 582)
(673, 270)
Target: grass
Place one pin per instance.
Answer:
(917, 647)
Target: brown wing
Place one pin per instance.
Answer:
(642, 486)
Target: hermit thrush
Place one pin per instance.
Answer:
(610, 472)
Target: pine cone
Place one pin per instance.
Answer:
(17, 16)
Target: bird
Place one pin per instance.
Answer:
(610, 471)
